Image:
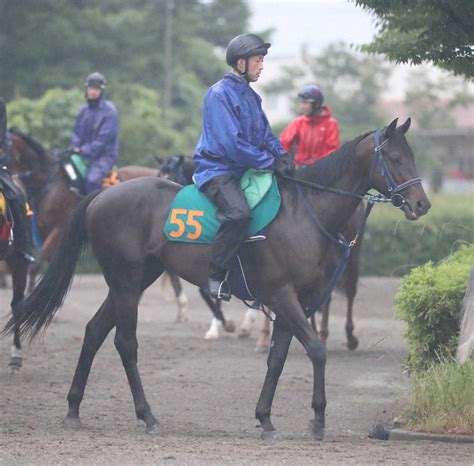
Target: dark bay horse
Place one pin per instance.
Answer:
(124, 226)
(180, 169)
(47, 188)
(16, 264)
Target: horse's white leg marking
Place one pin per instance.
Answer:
(249, 319)
(213, 332)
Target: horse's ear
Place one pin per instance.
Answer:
(158, 160)
(3, 121)
(406, 126)
(391, 128)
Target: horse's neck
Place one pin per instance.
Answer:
(334, 210)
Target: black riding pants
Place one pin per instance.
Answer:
(17, 204)
(234, 214)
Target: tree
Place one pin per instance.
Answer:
(436, 31)
(351, 82)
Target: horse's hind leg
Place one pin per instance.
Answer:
(96, 331)
(281, 339)
(181, 297)
(125, 298)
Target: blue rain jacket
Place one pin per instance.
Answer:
(96, 133)
(235, 132)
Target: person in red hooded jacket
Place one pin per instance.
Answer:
(313, 135)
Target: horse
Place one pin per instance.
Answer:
(17, 266)
(180, 169)
(47, 187)
(284, 270)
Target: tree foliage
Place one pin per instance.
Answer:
(436, 31)
(351, 82)
(48, 47)
(56, 43)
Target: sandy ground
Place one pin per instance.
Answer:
(204, 393)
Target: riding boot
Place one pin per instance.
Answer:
(217, 283)
(22, 236)
(234, 214)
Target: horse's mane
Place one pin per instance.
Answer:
(33, 143)
(330, 168)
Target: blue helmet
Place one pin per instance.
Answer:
(312, 94)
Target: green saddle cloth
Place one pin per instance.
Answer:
(192, 217)
(80, 164)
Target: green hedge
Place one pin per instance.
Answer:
(430, 302)
(393, 245)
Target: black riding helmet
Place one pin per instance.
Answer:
(95, 79)
(245, 46)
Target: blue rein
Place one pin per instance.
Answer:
(397, 200)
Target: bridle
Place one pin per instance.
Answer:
(395, 197)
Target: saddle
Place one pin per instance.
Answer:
(76, 168)
(192, 217)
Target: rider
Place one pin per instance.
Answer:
(235, 136)
(23, 242)
(315, 134)
(96, 132)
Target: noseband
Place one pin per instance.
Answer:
(397, 199)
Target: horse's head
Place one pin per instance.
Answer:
(27, 157)
(173, 169)
(393, 171)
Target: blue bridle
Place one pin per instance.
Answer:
(397, 199)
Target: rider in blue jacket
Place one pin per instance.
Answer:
(235, 136)
(96, 132)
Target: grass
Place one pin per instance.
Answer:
(443, 399)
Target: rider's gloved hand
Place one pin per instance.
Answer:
(284, 165)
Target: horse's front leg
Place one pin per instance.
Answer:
(316, 351)
(281, 339)
(19, 270)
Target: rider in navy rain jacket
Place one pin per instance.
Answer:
(96, 132)
(235, 136)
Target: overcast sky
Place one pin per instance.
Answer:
(315, 23)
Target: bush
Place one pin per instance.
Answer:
(393, 245)
(442, 399)
(430, 302)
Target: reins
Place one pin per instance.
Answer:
(395, 198)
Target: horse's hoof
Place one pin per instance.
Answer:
(262, 348)
(352, 343)
(269, 435)
(15, 364)
(317, 429)
(211, 336)
(229, 326)
(153, 429)
(244, 333)
(16, 361)
(72, 422)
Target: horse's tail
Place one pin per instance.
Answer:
(38, 309)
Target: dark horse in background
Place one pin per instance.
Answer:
(17, 266)
(180, 169)
(124, 226)
(47, 186)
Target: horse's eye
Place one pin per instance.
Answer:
(396, 161)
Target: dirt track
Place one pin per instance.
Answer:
(204, 393)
